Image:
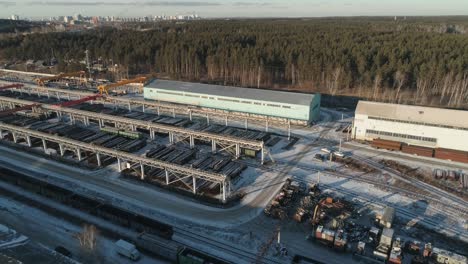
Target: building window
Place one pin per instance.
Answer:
(400, 136)
(416, 123)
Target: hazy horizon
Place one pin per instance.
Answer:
(233, 8)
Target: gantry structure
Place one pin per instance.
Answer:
(227, 143)
(172, 109)
(65, 144)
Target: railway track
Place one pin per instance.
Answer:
(249, 257)
(385, 186)
(415, 182)
(454, 211)
(405, 212)
(182, 232)
(448, 208)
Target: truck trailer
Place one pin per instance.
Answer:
(127, 249)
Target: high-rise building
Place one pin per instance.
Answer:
(77, 17)
(14, 17)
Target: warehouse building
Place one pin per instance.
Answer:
(413, 125)
(275, 104)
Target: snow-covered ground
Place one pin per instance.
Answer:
(260, 184)
(50, 232)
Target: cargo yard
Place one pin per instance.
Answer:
(217, 184)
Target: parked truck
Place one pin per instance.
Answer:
(127, 249)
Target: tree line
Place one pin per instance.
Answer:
(410, 60)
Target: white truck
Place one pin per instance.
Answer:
(127, 249)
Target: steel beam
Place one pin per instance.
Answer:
(165, 105)
(194, 185)
(98, 158)
(74, 144)
(62, 150)
(44, 144)
(142, 169)
(78, 154)
(183, 132)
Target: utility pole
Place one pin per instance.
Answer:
(88, 64)
(279, 236)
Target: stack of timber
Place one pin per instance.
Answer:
(418, 150)
(386, 144)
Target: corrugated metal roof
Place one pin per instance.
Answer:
(234, 92)
(428, 115)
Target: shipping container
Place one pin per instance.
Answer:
(325, 235)
(249, 152)
(340, 240)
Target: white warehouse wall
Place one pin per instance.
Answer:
(446, 137)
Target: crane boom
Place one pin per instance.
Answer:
(104, 89)
(79, 101)
(43, 80)
(17, 109)
(15, 85)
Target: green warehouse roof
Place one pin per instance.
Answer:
(233, 92)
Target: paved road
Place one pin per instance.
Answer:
(161, 202)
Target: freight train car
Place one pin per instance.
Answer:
(450, 154)
(298, 259)
(386, 144)
(418, 150)
(101, 209)
(190, 256)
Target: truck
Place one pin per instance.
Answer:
(382, 250)
(127, 249)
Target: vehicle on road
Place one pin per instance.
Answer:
(127, 249)
(63, 251)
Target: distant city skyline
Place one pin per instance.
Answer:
(233, 8)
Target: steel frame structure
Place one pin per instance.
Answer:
(178, 171)
(171, 108)
(133, 124)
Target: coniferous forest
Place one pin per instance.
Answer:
(408, 60)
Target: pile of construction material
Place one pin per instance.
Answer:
(219, 164)
(283, 201)
(354, 164)
(407, 171)
(171, 154)
(100, 108)
(451, 175)
(385, 218)
(236, 132)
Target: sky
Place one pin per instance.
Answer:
(233, 8)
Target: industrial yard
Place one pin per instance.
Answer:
(229, 186)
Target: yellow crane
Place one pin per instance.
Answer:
(43, 80)
(104, 89)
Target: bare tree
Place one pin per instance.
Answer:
(376, 89)
(333, 81)
(87, 237)
(400, 80)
